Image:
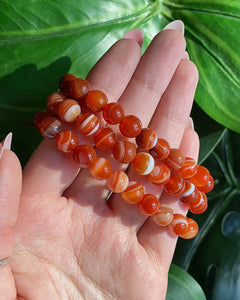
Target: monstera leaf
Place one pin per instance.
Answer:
(213, 257)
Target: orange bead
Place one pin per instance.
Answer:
(201, 177)
(96, 100)
(53, 101)
(175, 159)
(39, 116)
(113, 113)
(124, 151)
(69, 110)
(85, 155)
(179, 225)
(87, 123)
(192, 230)
(66, 140)
(64, 83)
(200, 205)
(101, 168)
(118, 181)
(134, 192)
(105, 138)
(175, 186)
(160, 174)
(164, 215)
(208, 187)
(147, 139)
(148, 205)
(189, 168)
(78, 89)
(161, 149)
(49, 127)
(190, 193)
(143, 163)
(130, 126)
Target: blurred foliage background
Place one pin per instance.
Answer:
(42, 40)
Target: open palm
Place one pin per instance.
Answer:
(73, 242)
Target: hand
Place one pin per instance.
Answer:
(69, 242)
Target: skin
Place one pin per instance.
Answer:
(65, 241)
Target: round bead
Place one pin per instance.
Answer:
(53, 101)
(113, 113)
(179, 225)
(105, 138)
(147, 139)
(175, 159)
(130, 126)
(118, 181)
(68, 110)
(64, 83)
(161, 149)
(49, 127)
(201, 177)
(124, 151)
(200, 205)
(148, 205)
(160, 174)
(143, 163)
(134, 192)
(85, 155)
(78, 88)
(208, 187)
(39, 116)
(66, 140)
(189, 168)
(101, 168)
(175, 186)
(87, 123)
(192, 230)
(164, 215)
(190, 193)
(96, 100)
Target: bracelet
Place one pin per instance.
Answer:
(148, 155)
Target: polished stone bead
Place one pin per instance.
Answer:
(190, 193)
(200, 205)
(69, 110)
(164, 215)
(53, 102)
(134, 192)
(113, 113)
(175, 159)
(101, 168)
(189, 168)
(201, 177)
(87, 123)
(208, 187)
(143, 163)
(105, 138)
(96, 100)
(84, 155)
(192, 230)
(147, 139)
(160, 174)
(78, 89)
(148, 205)
(49, 127)
(64, 84)
(130, 126)
(124, 151)
(161, 149)
(66, 140)
(179, 225)
(175, 186)
(118, 181)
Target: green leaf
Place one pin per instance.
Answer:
(182, 286)
(213, 257)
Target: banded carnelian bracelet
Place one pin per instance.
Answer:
(148, 155)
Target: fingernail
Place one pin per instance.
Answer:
(135, 34)
(6, 143)
(190, 123)
(185, 55)
(176, 25)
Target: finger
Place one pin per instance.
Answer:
(49, 170)
(147, 84)
(169, 122)
(10, 182)
(156, 239)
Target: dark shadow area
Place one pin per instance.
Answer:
(22, 94)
